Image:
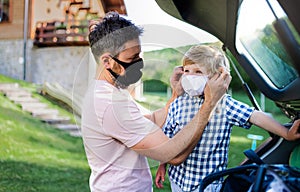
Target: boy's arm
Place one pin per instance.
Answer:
(268, 123)
(160, 175)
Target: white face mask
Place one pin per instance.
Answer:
(193, 84)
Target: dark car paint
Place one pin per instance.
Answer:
(219, 17)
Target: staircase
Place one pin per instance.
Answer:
(23, 98)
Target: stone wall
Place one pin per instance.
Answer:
(71, 67)
(67, 66)
(11, 58)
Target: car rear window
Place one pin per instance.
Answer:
(258, 41)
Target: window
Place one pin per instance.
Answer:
(258, 41)
(4, 11)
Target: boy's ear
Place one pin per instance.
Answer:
(104, 59)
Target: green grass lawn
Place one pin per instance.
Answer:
(37, 157)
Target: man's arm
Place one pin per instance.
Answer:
(268, 123)
(158, 146)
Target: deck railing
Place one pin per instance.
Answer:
(61, 33)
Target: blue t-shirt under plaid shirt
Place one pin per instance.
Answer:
(211, 152)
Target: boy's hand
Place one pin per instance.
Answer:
(294, 131)
(160, 176)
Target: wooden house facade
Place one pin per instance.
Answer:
(46, 40)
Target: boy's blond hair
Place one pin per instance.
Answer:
(208, 56)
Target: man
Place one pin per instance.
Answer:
(117, 137)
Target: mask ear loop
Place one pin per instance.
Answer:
(115, 77)
(125, 64)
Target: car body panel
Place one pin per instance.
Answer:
(220, 18)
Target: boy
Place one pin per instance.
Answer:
(200, 63)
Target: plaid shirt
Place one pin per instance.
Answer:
(211, 153)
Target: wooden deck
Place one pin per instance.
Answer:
(56, 33)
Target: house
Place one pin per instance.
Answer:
(46, 40)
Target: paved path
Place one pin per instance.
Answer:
(38, 109)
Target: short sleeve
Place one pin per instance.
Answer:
(171, 125)
(124, 122)
(238, 113)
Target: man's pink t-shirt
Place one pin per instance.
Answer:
(112, 123)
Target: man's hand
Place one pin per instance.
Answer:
(217, 86)
(175, 80)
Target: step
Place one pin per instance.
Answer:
(75, 133)
(8, 86)
(17, 93)
(68, 127)
(44, 113)
(76, 3)
(21, 100)
(30, 107)
(56, 120)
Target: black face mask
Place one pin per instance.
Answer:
(132, 74)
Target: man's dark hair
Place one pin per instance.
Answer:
(111, 34)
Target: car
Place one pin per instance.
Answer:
(263, 38)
